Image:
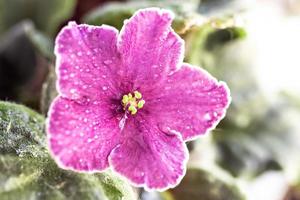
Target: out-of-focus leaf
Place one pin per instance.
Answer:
(41, 42)
(49, 90)
(22, 69)
(269, 141)
(203, 39)
(201, 184)
(28, 172)
(115, 13)
(47, 14)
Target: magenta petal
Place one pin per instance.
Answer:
(87, 60)
(191, 102)
(149, 47)
(148, 157)
(81, 137)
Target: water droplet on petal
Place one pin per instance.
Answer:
(72, 91)
(107, 62)
(104, 88)
(207, 116)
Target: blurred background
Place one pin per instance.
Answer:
(253, 45)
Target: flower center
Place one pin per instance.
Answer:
(133, 102)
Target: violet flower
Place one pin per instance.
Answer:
(129, 102)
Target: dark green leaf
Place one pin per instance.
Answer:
(268, 141)
(115, 13)
(47, 14)
(201, 184)
(21, 131)
(28, 172)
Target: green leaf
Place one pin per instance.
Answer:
(21, 131)
(203, 39)
(201, 184)
(49, 90)
(41, 42)
(23, 63)
(28, 172)
(115, 13)
(23, 178)
(269, 141)
(47, 14)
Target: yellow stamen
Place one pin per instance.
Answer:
(125, 99)
(140, 104)
(132, 109)
(137, 95)
(133, 102)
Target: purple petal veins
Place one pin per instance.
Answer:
(128, 101)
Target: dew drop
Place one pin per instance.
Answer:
(207, 116)
(72, 91)
(81, 134)
(107, 62)
(104, 88)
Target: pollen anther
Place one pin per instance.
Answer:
(133, 102)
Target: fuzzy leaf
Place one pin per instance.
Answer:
(28, 172)
(21, 131)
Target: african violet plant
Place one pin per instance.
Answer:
(167, 101)
(129, 102)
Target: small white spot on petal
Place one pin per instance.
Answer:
(107, 62)
(104, 88)
(207, 116)
(72, 91)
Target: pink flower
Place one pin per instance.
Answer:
(129, 102)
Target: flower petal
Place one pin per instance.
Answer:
(191, 102)
(81, 137)
(87, 60)
(149, 47)
(148, 157)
